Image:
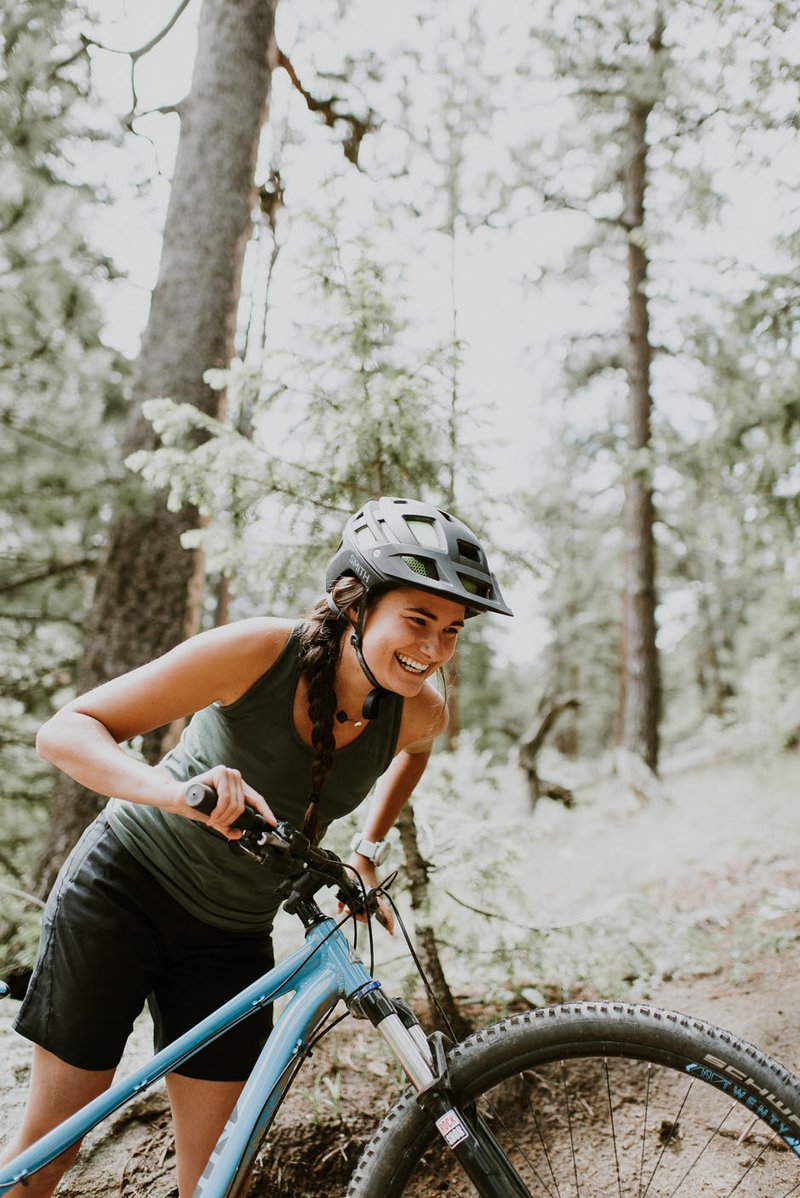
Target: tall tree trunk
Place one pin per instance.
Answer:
(148, 587)
(639, 668)
(714, 691)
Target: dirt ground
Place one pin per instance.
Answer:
(721, 856)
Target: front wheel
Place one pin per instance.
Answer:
(594, 1100)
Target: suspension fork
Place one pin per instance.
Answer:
(424, 1061)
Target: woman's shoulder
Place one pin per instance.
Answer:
(216, 666)
(254, 645)
(424, 717)
(266, 630)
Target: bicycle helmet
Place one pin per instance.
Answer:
(404, 542)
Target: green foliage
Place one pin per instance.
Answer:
(736, 514)
(724, 439)
(60, 389)
(559, 904)
(361, 411)
(578, 512)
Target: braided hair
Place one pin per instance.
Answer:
(321, 641)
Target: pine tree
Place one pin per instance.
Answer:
(633, 98)
(359, 410)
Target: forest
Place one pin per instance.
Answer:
(536, 263)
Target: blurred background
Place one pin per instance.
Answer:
(537, 263)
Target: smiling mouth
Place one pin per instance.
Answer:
(411, 666)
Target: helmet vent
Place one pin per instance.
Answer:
(469, 551)
(421, 566)
(365, 536)
(474, 586)
(425, 532)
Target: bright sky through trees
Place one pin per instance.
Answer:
(513, 309)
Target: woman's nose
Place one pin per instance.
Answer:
(431, 644)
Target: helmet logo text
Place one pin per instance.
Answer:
(359, 570)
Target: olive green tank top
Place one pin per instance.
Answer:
(257, 736)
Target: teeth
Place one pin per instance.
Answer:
(414, 666)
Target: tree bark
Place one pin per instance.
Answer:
(453, 706)
(418, 876)
(148, 588)
(640, 688)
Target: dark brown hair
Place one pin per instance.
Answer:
(321, 640)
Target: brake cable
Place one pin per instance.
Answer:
(434, 1001)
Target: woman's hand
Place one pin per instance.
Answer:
(233, 795)
(366, 870)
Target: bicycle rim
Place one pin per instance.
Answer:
(591, 1100)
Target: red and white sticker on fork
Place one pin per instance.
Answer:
(451, 1129)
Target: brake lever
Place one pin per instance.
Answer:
(388, 881)
(358, 905)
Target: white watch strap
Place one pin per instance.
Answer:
(367, 848)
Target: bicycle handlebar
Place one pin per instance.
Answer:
(202, 797)
(287, 850)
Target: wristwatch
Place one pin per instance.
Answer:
(374, 850)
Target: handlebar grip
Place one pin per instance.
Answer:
(203, 798)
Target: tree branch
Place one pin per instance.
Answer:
(135, 55)
(140, 51)
(561, 201)
(52, 570)
(22, 894)
(532, 742)
(359, 126)
(39, 617)
(491, 914)
(7, 419)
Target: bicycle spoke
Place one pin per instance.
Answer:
(645, 1114)
(493, 1115)
(613, 1128)
(543, 1142)
(716, 1131)
(673, 1124)
(568, 1109)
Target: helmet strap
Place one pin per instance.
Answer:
(373, 700)
(334, 607)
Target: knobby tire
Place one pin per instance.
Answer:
(605, 1100)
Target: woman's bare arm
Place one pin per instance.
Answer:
(85, 737)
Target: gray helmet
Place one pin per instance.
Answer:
(403, 542)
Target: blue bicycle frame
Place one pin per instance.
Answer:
(323, 971)
(320, 973)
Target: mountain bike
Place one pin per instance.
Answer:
(584, 1099)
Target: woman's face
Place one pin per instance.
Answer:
(408, 635)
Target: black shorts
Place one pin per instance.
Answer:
(112, 938)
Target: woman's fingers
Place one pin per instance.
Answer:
(383, 914)
(229, 786)
(366, 871)
(259, 804)
(386, 916)
(233, 795)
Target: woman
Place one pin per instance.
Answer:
(295, 720)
